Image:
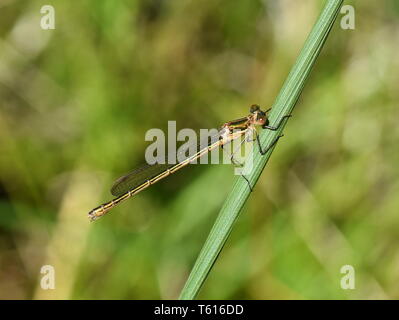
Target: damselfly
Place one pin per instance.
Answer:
(140, 179)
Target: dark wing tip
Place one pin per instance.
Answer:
(115, 189)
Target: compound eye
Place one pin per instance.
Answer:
(254, 108)
(261, 116)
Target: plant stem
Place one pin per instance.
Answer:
(283, 105)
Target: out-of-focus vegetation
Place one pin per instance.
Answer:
(76, 102)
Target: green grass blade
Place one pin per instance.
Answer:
(240, 192)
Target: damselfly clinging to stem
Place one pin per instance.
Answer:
(139, 179)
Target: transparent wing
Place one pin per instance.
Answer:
(146, 172)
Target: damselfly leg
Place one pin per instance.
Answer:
(246, 138)
(235, 162)
(278, 125)
(263, 152)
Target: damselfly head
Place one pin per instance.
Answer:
(259, 117)
(254, 108)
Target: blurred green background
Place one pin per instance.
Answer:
(76, 102)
